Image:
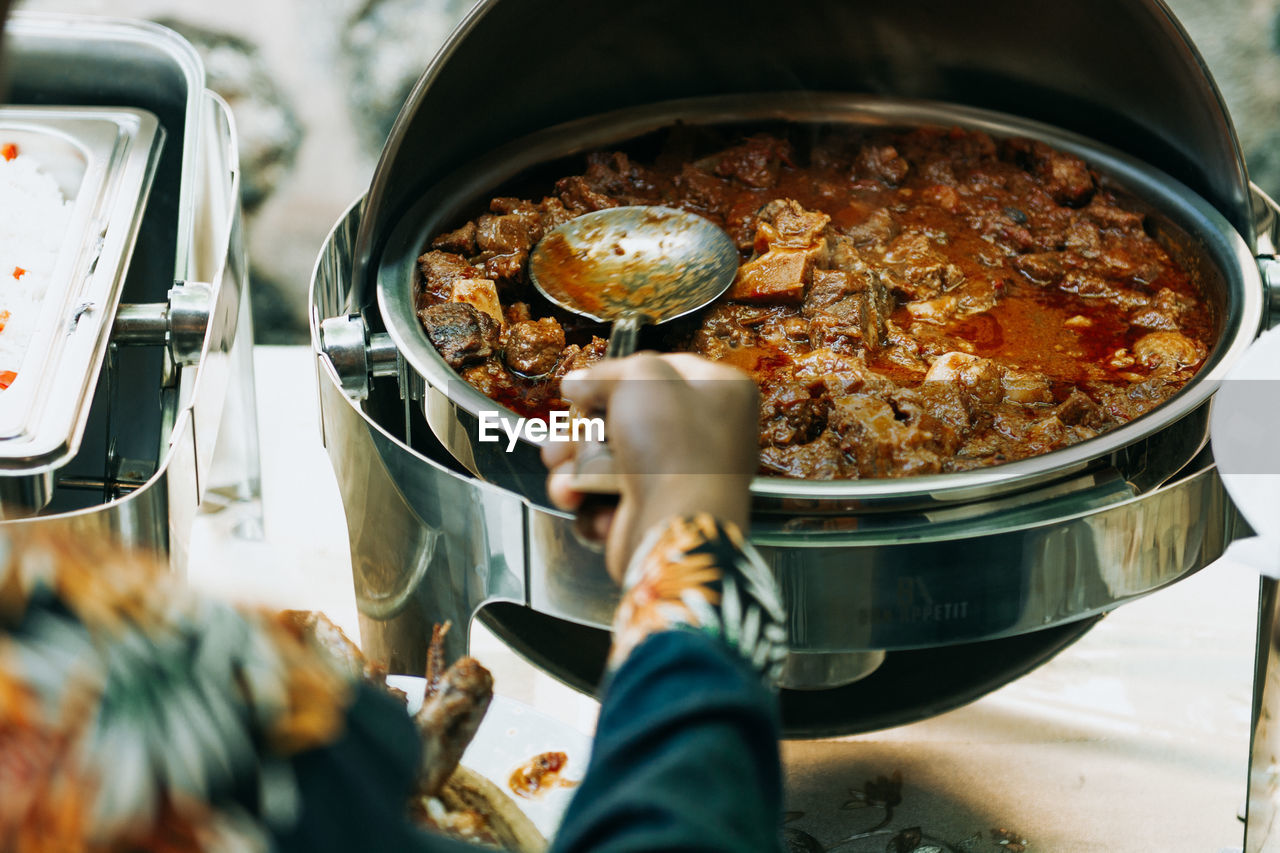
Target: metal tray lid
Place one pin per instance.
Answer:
(103, 160)
(1122, 72)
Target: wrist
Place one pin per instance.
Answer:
(724, 497)
(697, 572)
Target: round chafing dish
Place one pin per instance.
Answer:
(929, 591)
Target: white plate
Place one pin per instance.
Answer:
(512, 733)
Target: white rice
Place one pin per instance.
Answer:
(33, 221)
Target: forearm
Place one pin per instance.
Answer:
(685, 756)
(686, 751)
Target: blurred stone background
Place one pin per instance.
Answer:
(316, 84)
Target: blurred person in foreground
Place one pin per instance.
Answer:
(135, 715)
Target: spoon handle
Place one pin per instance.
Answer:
(593, 470)
(625, 335)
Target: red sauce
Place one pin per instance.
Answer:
(540, 774)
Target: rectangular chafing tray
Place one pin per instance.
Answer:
(103, 160)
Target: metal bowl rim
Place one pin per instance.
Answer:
(1243, 314)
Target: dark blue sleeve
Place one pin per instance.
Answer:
(685, 756)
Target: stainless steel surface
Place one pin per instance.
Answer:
(1050, 62)
(431, 542)
(824, 670)
(384, 358)
(141, 325)
(154, 423)
(1266, 214)
(653, 262)
(1262, 808)
(104, 160)
(1271, 277)
(188, 316)
(1171, 434)
(345, 340)
(180, 323)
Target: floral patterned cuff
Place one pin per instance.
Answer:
(698, 573)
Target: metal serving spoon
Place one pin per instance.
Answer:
(630, 266)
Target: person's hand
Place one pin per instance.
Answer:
(683, 434)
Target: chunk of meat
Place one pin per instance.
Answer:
(461, 240)
(619, 177)
(1041, 267)
(461, 334)
(882, 163)
(480, 294)
(828, 288)
(1026, 387)
(526, 210)
(1092, 286)
(979, 378)
(1065, 176)
(878, 227)
(704, 193)
(779, 275)
(491, 378)
(977, 295)
(944, 196)
(439, 269)
(1082, 237)
(916, 270)
(837, 373)
(890, 441)
(785, 224)
(1047, 434)
(1163, 314)
(938, 310)
(756, 162)
(533, 347)
(946, 402)
(507, 267)
(843, 254)
(579, 197)
(820, 459)
(503, 234)
(789, 413)
(1106, 213)
(791, 240)
(841, 325)
(1080, 410)
(552, 214)
(516, 312)
(580, 358)
(1167, 351)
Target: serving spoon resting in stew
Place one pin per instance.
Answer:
(630, 266)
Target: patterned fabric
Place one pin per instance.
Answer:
(697, 573)
(134, 716)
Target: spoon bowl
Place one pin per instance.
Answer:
(633, 266)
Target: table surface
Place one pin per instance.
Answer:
(1134, 739)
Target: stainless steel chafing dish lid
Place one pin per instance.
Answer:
(516, 66)
(103, 160)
